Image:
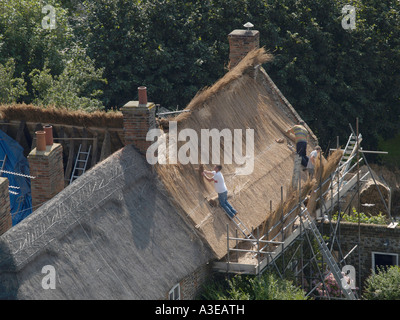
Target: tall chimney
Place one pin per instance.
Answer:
(47, 168)
(138, 119)
(241, 42)
(5, 213)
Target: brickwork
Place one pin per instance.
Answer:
(5, 215)
(138, 120)
(192, 285)
(47, 168)
(373, 238)
(241, 42)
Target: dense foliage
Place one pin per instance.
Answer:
(266, 287)
(355, 217)
(383, 285)
(329, 74)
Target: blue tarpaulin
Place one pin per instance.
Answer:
(20, 196)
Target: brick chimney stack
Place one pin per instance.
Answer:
(139, 118)
(241, 42)
(5, 213)
(46, 165)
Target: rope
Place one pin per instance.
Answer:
(17, 174)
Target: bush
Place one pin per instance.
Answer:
(383, 285)
(267, 287)
(364, 218)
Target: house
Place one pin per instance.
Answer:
(130, 230)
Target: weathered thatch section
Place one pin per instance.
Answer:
(243, 99)
(112, 235)
(52, 115)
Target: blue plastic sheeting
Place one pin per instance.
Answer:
(21, 203)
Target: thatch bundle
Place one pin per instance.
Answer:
(323, 169)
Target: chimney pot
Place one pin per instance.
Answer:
(40, 140)
(49, 134)
(142, 95)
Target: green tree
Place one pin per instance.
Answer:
(73, 89)
(11, 89)
(47, 56)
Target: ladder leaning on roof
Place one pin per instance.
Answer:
(79, 170)
(240, 225)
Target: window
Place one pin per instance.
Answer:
(175, 293)
(382, 259)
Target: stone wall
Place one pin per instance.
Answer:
(192, 285)
(373, 238)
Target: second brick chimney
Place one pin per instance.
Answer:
(46, 165)
(139, 118)
(241, 42)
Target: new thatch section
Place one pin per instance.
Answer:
(245, 98)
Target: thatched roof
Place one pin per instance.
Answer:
(244, 98)
(113, 234)
(126, 231)
(52, 115)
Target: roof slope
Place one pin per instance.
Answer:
(110, 235)
(244, 98)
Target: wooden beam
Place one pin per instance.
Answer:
(70, 161)
(106, 147)
(28, 137)
(94, 149)
(20, 132)
(4, 126)
(14, 122)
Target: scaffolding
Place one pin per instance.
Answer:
(297, 250)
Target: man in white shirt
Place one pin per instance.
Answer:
(311, 163)
(220, 188)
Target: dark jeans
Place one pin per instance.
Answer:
(223, 201)
(301, 149)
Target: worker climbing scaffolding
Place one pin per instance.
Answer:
(301, 135)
